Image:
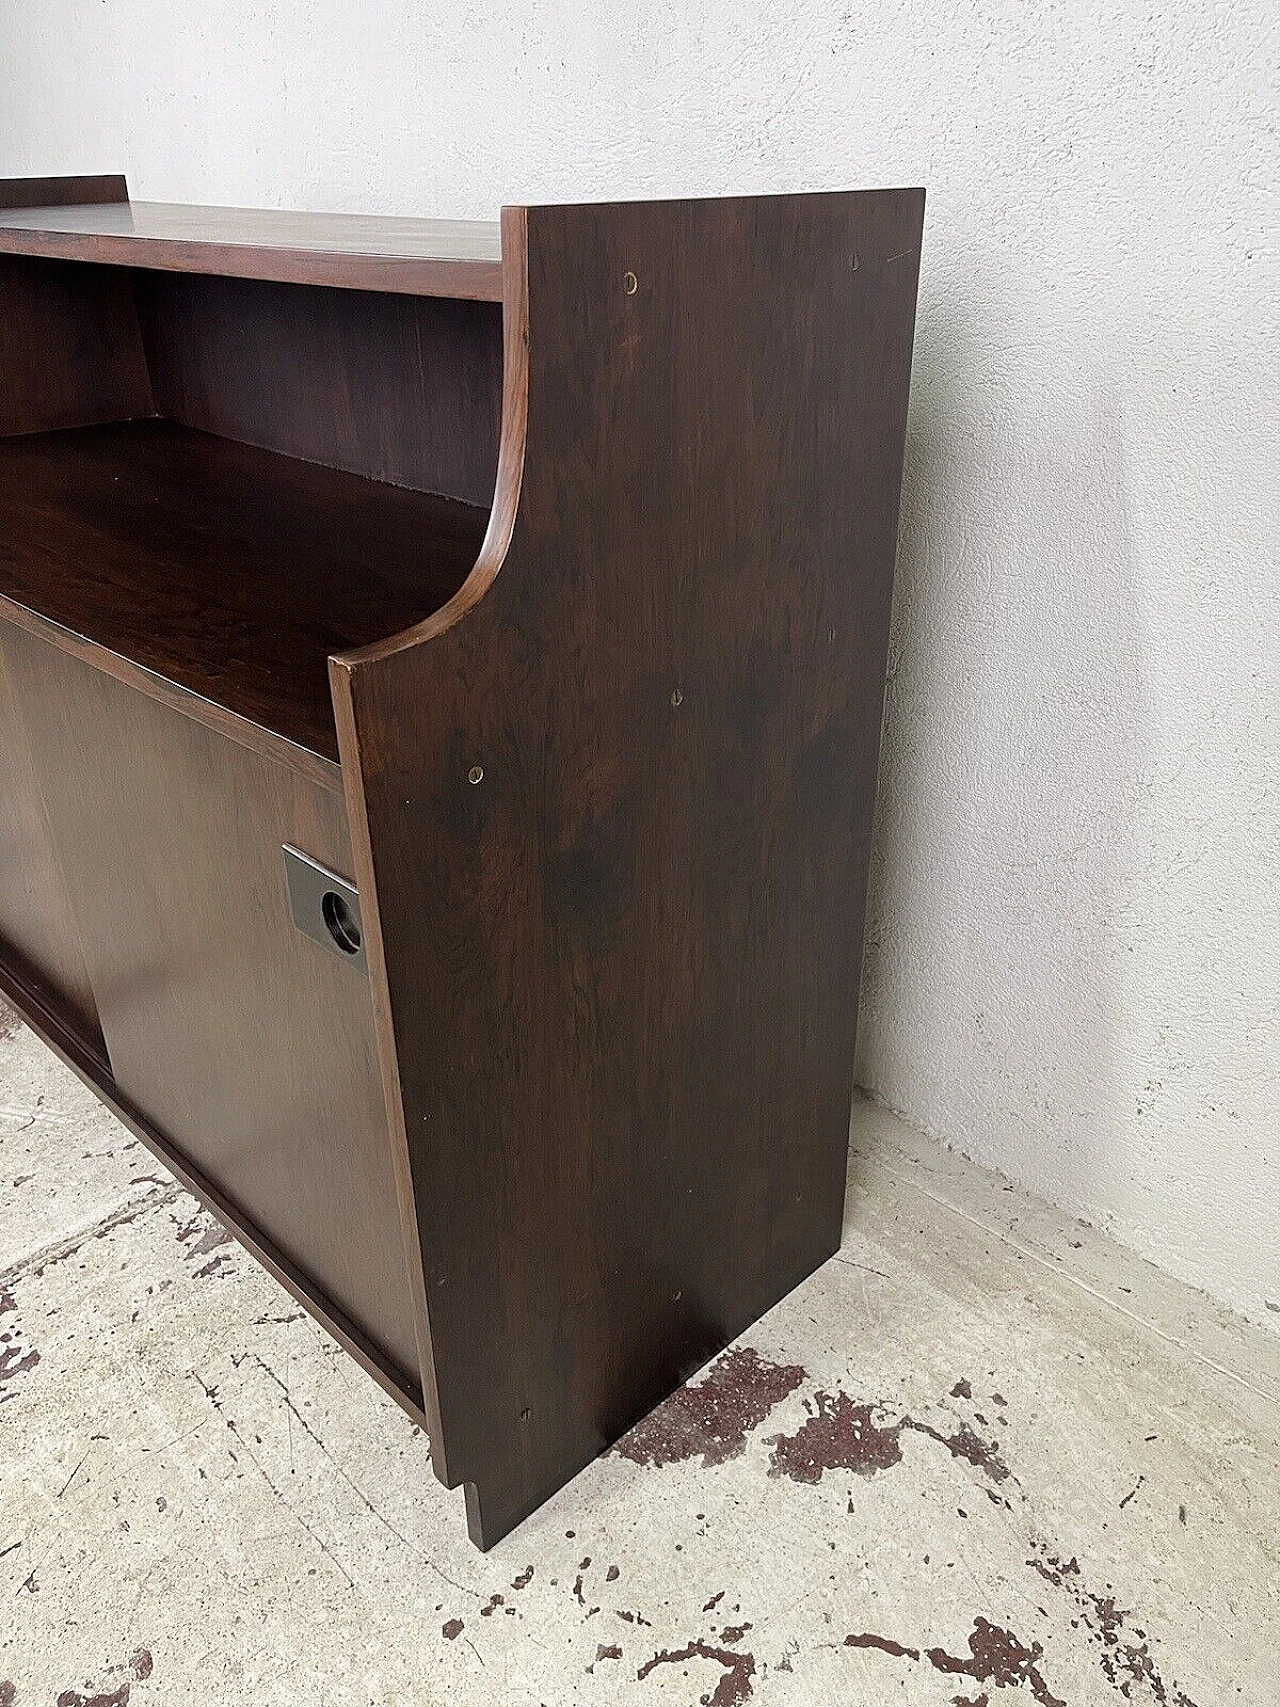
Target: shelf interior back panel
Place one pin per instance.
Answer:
(230, 571)
(424, 257)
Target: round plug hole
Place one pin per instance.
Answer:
(340, 922)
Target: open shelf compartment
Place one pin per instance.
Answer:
(572, 1110)
(226, 570)
(213, 480)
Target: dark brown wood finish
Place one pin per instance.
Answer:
(70, 351)
(425, 257)
(607, 732)
(49, 1023)
(404, 389)
(249, 1048)
(227, 571)
(611, 810)
(38, 930)
(48, 193)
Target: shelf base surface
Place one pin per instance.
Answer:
(228, 571)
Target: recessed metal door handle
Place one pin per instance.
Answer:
(324, 906)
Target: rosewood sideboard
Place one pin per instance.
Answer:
(441, 674)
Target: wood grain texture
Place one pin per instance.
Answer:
(48, 193)
(247, 1047)
(70, 353)
(50, 1024)
(403, 389)
(425, 257)
(70, 350)
(38, 930)
(612, 810)
(609, 782)
(227, 571)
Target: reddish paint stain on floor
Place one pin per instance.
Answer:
(842, 1435)
(883, 1644)
(733, 1688)
(997, 1656)
(714, 1416)
(838, 1436)
(1124, 1650)
(118, 1698)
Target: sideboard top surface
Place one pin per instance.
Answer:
(426, 257)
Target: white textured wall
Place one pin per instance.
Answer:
(1074, 966)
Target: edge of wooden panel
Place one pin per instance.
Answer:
(89, 1067)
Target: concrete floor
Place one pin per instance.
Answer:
(984, 1455)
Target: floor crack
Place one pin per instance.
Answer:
(35, 1262)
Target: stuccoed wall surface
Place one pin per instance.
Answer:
(1074, 950)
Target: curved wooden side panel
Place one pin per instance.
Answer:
(612, 811)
